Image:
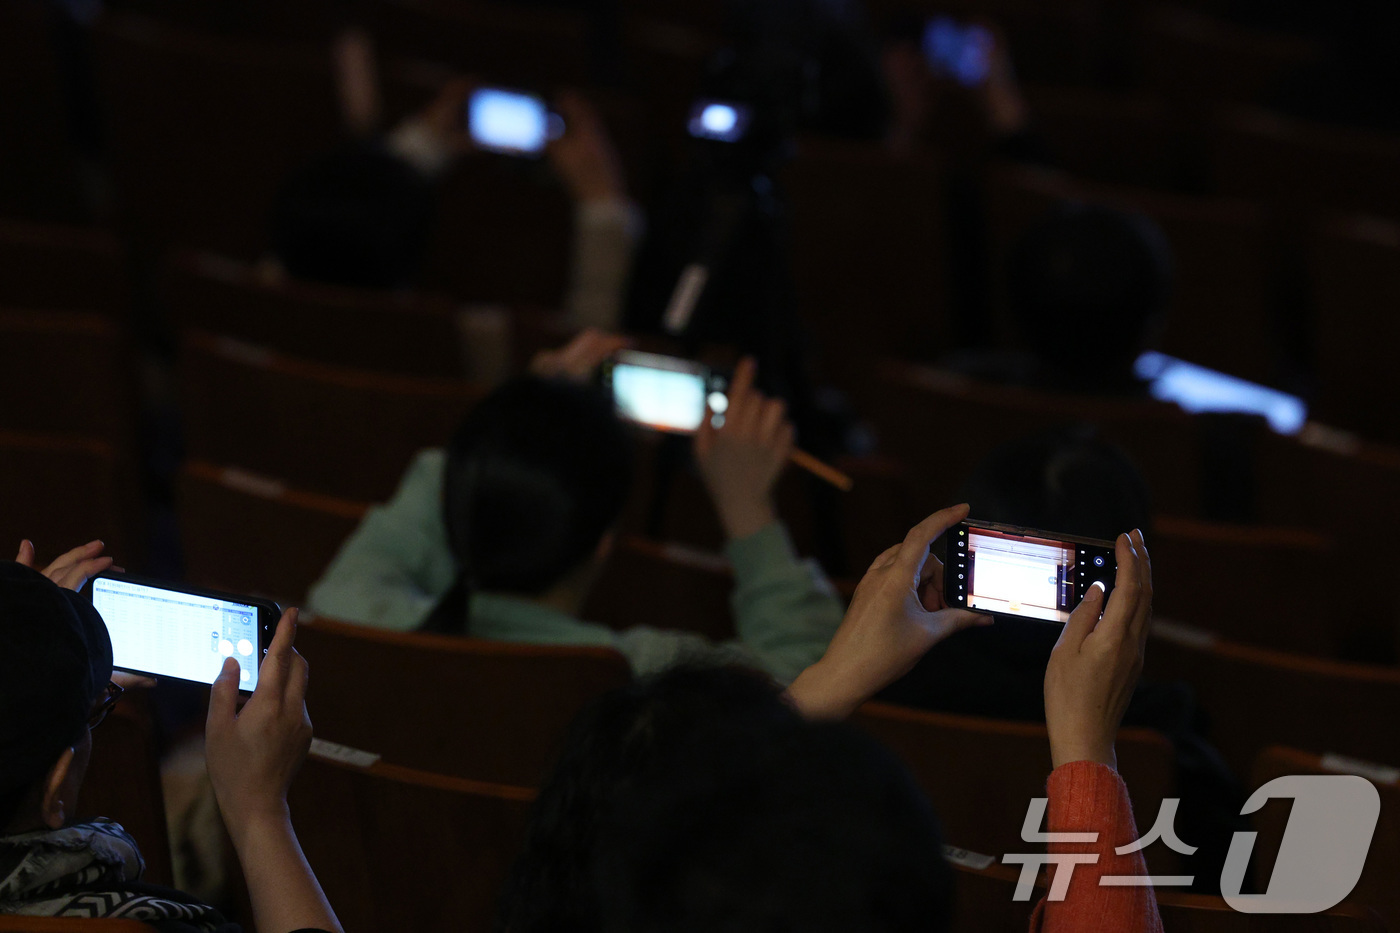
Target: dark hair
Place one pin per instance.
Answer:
(357, 216)
(1066, 479)
(535, 477)
(1088, 286)
(698, 799)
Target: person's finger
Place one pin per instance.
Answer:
(275, 665)
(25, 557)
(69, 558)
(741, 386)
(132, 681)
(73, 578)
(772, 418)
(1122, 605)
(955, 620)
(298, 677)
(915, 547)
(1084, 618)
(223, 697)
(1143, 616)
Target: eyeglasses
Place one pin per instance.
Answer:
(109, 699)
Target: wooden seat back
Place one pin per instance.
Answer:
(482, 710)
(342, 432)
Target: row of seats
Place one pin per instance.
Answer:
(359, 807)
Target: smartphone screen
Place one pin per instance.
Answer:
(510, 122)
(961, 52)
(1198, 389)
(1021, 572)
(170, 632)
(665, 393)
(720, 120)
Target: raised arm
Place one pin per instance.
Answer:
(1088, 683)
(253, 756)
(785, 609)
(895, 617)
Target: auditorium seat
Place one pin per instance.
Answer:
(1242, 581)
(394, 332)
(39, 176)
(1257, 697)
(342, 432)
(942, 424)
(1110, 137)
(63, 491)
(537, 47)
(1199, 60)
(663, 585)
(484, 710)
(1349, 489)
(982, 773)
(984, 905)
(1303, 166)
(1355, 272)
(50, 266)
(1219, 312)
(1376, 889)
(72, 374)
(202, 130)
(869, 257)
(123, 782)
(400, 850)
(245, 533)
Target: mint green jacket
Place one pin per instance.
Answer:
(397, 565)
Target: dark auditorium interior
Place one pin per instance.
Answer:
(1087, 265)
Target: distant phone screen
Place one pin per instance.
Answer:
(1198, 389)
(961, 52)
(1022, 574)
(664, 393)
(510, 122)
(719, 120)
(173, 634)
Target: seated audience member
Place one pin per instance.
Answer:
(56, 686)
(1070, 481)
(501, 535)
(1087, 287)
(702, 799)
(363, 214)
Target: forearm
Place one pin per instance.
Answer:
(284, 891)
(1089, 797)
(785, 610)
(605, 238)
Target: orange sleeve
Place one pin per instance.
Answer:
(1086, 796)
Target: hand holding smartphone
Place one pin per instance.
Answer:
(169, 630)
(1013, 571)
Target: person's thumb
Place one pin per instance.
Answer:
(223, 697)
(1085, 617)
(955, 620)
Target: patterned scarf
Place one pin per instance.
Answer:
(88, 870)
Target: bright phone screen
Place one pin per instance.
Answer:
(1022, 575)
(507, 121)
(664, 399)
(962, 52)
(716, 119)
(172, 634)
(1198, 389)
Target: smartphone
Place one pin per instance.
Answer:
(959, 51)
(1198, 389)
(511, 122)
(725, 121)
(168, 630)
(1013, 571)
(665, 393)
